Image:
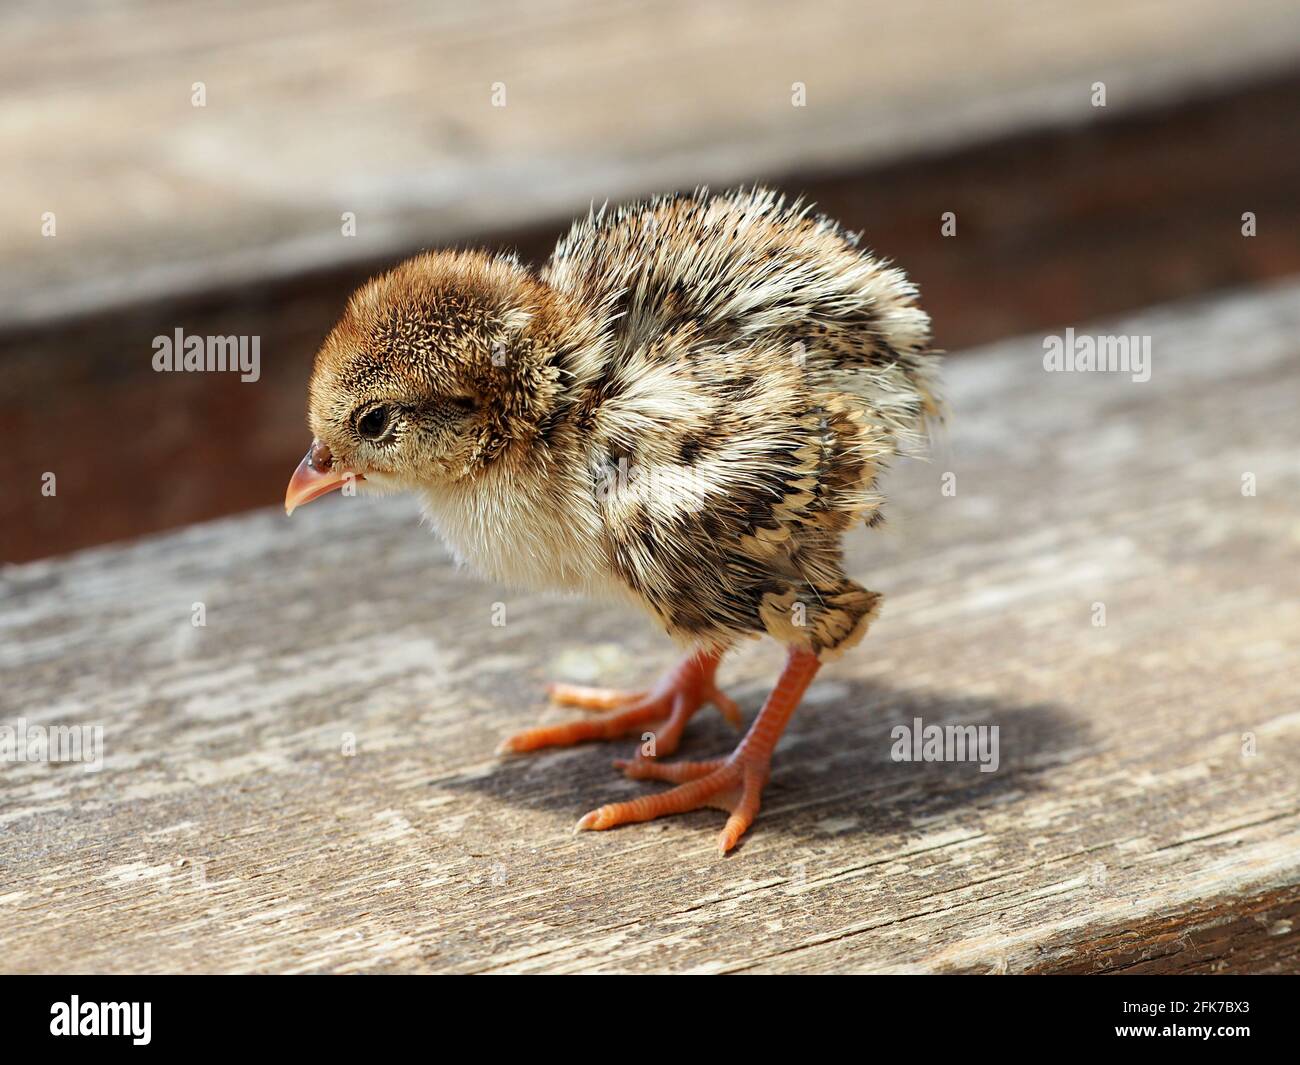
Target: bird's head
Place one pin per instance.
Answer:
(435, 371)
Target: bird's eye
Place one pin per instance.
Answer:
(374, 423)
(462, 404)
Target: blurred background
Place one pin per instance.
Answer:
(236, 169)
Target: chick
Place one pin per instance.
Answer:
(686, 408)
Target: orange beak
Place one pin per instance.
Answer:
(315, 477)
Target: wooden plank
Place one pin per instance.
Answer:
(1127, 827)
(313, 109)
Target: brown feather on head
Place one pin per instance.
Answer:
(434, 369)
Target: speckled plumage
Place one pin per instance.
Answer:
(688, 406)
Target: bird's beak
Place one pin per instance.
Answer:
(315, 476)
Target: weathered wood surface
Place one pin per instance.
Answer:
(1126, 828)
(313, 109)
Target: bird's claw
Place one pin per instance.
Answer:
(734, 785)
(673, 701)
(585, 698)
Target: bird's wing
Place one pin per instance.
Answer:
(724, 484)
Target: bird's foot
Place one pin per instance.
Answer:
(732, 784)
(674, 700)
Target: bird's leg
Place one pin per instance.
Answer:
(735, 784)
(681, 692)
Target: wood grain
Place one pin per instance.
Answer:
(1125, 828)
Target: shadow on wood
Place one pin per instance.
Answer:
(833, 768)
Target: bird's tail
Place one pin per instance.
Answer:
(827, 617)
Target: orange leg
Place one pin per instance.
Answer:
(674, 700)
(735, 783)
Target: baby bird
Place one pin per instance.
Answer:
(685, 408)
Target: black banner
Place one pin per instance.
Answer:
(304, 1014)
